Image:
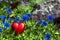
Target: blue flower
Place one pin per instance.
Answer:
(17, 19)
(8, 10)
(6, 25)
(40, 21)
(50, 18)
(25, 18)
(47, 36)
(29, 15)
(43, 22)
(3, 17)
(47, 39)
(0, 30)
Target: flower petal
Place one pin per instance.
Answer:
(43, 22)
(29, 15)
(17, 19)
(50, 18)
(3, 17)
(0, 30)
(47, 35)
(25, 18)
(7, 24)
(9, 11)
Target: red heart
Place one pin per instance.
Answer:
(18, 27)
(15, 25)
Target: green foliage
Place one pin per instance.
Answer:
(32, 32)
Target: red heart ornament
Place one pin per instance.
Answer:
(15, 25)
(18, 27)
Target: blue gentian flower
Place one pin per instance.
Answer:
(40, 21)
(8, 10)
(3, 17)
(47, 36)
(47, 39)
(25, 18)
(50, 18)
(43, 22)
(29, 15)
(6, 25)
(0, 30)
(17, 19)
